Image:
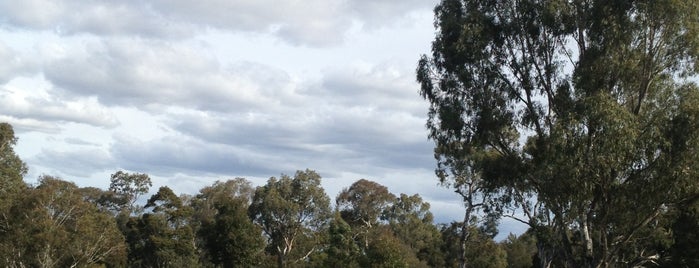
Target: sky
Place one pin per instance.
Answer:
(190, 92)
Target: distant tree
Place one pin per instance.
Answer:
(480, 250)
(230, 238)
(124, 190)
(520, 250)
(386, 250)
(362, 205)
(56, 227)
(12, 170)
(411, 221)
(582, 115)
(163, 237)
(291, 211)
(342, 250)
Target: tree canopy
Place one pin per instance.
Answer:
(580, 115)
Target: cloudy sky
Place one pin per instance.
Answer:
(191, 92)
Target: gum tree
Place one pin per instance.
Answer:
(581, 115)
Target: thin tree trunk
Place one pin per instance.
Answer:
(465, 233)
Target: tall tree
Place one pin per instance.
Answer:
(291, 210)
(581, 114)
(12, 170)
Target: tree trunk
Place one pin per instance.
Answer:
(465, 233)
(280, 259)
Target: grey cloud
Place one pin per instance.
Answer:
(139, 73)
(341, 131)
(176, 154)
(312, 22)
(78, 141)
(383, 86)
(89, 16)
(78, 163)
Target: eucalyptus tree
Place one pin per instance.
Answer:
(124, 190)
(342, 250)
(582, 115)
(293, 214)
(362, 206)
(412, 222)
(163, 235)
(55, 226)
(12, 170)
(227, 234)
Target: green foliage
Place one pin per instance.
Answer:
(520, 250)
(362, 205)
(53, 226)
(385, 250)
(342, 250)
(684, 252)
(599, 93)
(162, 238)
(479, 250)
(12, 169)
(291, 211)
(124, 191)
(412, 222)
(229, 236)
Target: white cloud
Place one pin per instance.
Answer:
(14, 64)
(29, 99)
(29, 124)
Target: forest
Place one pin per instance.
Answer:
(288, 222)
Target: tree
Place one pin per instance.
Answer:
(411, 221)
(520, 250)
(291, 210)
(362, 205)
(342, 250)
(229, 236)
(684, 252)
(164, 236)
(480, 249)
(386, 250)
(12, 170)
(125, 189)
(54, 226)
(579, 114)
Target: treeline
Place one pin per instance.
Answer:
(288, 222)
